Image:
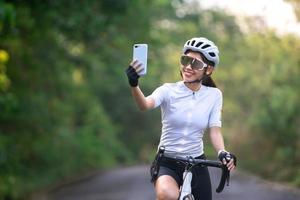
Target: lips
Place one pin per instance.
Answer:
(188, 74)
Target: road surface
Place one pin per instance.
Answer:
(132, 183)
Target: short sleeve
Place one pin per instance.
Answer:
(158, 95)
(216, 112)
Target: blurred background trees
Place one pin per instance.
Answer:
(66, 108)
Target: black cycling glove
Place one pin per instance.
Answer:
(133, 77)
(227, 156)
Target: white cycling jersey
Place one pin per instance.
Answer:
(185, 116)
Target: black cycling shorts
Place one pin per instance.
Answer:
(201, 185)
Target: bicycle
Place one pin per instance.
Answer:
(189, 163)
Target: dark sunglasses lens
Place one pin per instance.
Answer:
(185, 60)
(197, 65)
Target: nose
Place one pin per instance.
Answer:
(188, 66)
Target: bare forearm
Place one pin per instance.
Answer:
(142, 102)
(216, 138)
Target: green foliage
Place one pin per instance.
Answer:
(4, 80)
(65, 105)
(7, 17)
(276, 116)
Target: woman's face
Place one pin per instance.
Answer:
(189, 74)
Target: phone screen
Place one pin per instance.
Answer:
(140, 52)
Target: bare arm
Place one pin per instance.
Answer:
(217, 141)
(142, 102)
(216, 138)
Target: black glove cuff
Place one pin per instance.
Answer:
(133, 77)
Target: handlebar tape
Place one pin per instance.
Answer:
(225, 178)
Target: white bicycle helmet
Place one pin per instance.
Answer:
(209, 50)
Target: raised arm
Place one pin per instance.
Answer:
(142, 102)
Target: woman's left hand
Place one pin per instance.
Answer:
(230, 165)
(228, 159)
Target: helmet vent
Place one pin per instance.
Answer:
(205, 46)
(199, 43)
(188, 43)
(212, 54)
(193, 42)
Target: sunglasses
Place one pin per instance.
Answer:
(193, 62)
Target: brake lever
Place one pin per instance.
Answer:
(224, 179)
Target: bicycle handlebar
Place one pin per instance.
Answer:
(210, 163)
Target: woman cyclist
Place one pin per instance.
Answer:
(188, 108)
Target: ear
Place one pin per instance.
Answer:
(209, 70)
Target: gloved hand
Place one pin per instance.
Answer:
(226, 156)
(133, 77)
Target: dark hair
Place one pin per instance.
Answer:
(207, 79)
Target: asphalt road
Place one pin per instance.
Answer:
(132, 183)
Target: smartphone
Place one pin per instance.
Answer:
(140, 53)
